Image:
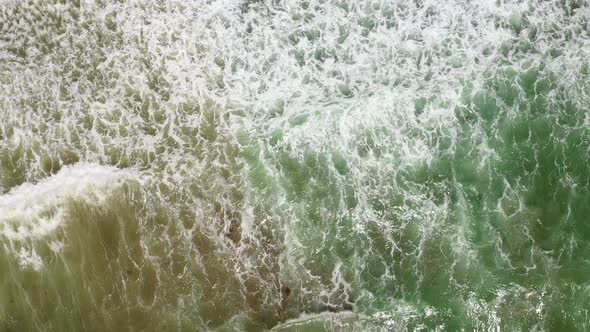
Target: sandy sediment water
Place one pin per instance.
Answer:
(294, 165)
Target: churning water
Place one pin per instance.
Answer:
(321, 165)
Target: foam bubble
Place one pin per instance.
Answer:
(35, 210)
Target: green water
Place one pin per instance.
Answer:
(294, 165)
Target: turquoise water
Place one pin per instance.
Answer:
(294, 165)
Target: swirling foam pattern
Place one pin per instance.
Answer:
(294, 165)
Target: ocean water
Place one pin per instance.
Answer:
(317, 165)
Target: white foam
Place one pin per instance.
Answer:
(30, 259)
(35, 210)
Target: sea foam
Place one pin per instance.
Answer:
(37, 209)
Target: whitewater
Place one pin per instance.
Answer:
(283, 165)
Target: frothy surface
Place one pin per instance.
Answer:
(249, 165)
